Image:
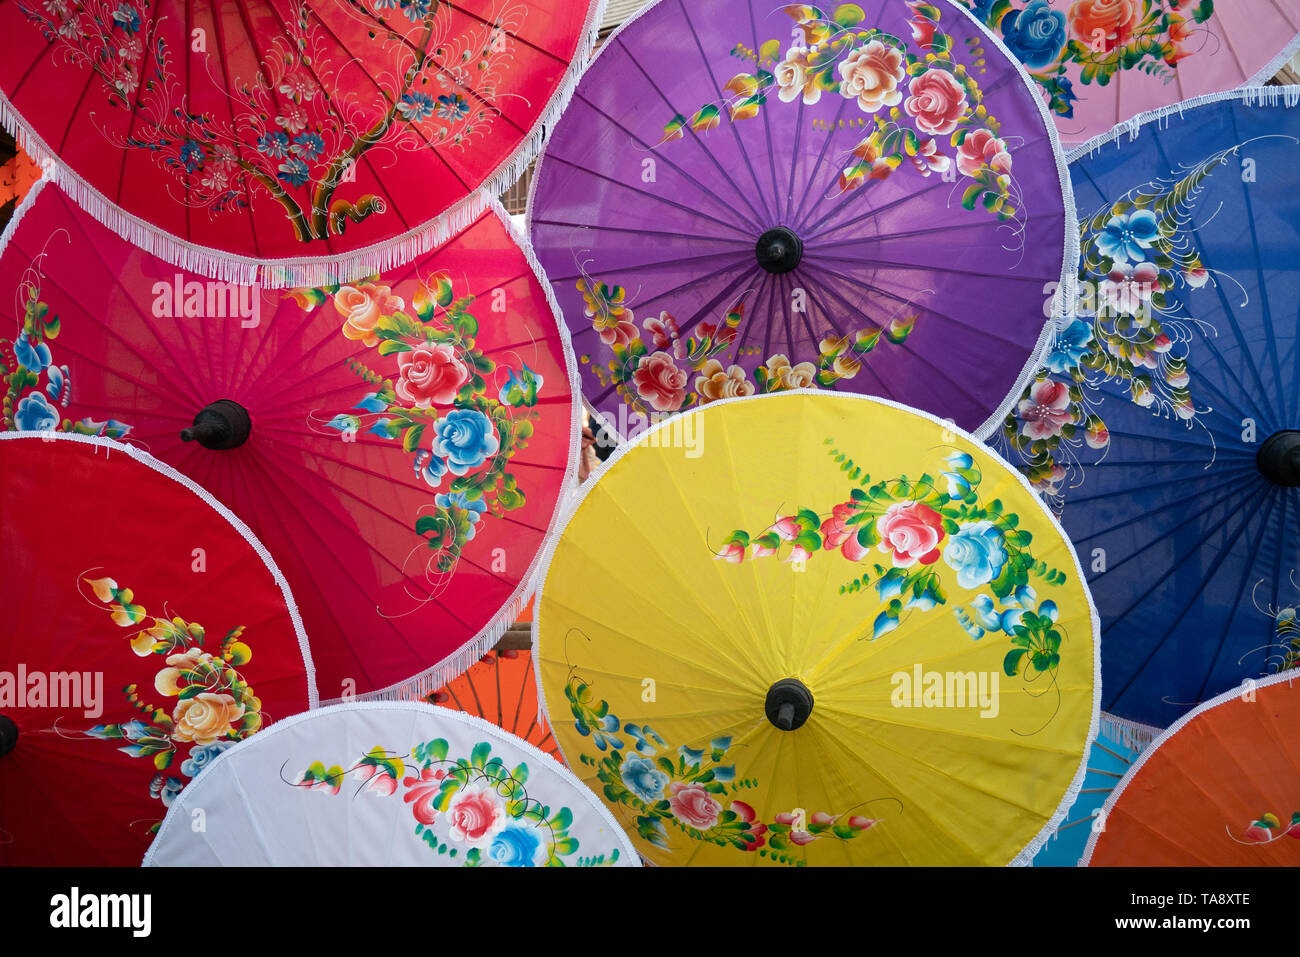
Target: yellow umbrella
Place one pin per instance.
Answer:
(808, 628)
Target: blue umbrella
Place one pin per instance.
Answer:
(1166, 425)
(1112, 753)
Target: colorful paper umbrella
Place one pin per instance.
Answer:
(502, 688)
(833, 632)
(745, 198)
(1101, 62)
(286, 142)
(390, 783)
(146, 632)
(1112, 753)
(1166, 423)
(1218, 789)
(399, 443)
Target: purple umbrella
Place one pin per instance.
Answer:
(746, 198)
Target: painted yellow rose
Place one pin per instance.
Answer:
(167, 681)
(205, 718)
(782, 375)
(362, 306)
(716, 383)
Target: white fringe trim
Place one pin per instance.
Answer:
(144, 458)
(1274, 66)
(26, 203)
(1132, 734)
(436, 676)
(1026, 856)
(320, 270)
(178, 815)
(1231, 695)
(1288, 96)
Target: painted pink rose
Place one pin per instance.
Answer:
(929, 160)
(430, 375)
(786, 528)
(1047, 409)
(660, 382)
(618, 333)
(693, 806)
(662, 330)
(794, 79)
(754, 836)
(910, 532)
(421, 792)
(936, 103)
(476, 815)
(853, 550)
(921, 24)
(981, 148)
(733, 553)
(378, 781)
(836, 530)
(871, 75)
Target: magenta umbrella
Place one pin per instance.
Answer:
(746, 198)
(400, 444)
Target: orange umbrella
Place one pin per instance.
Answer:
(502, 688)
(1219, 788)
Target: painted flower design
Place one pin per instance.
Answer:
(203, 755)
(477, 814)
(981, 149)
(1128, 237)
(871, 75)
(693, 805)
(642, 778)
(977, 551)
(32, 356)
(422, 794)
(170, 681)
(515, 846)
(465, 438)
(660, 382)
(1035, 35)
(1102, 25)
(35, 414)
(716, 383)
(794, 79)
(1046, 410)
(936, 102)
(362, 305)
(1128, 288)
(206, 717)
(430, 375)
(910, 532)
(782, 375)
(1069, 346)
(430, 467)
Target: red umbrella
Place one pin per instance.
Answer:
(399, 443)
(291, 140)
(146, 631)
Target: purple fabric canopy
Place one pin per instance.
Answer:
(745, 198)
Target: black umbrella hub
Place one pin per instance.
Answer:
(8, 734)
(779, 250)
(224, 424)
(789, 703)
(1279, 458)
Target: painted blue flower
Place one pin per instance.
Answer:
(642, 778)
(192, 156)
(416, 106)
(515, 846)
(452, 106)
(986, 613)
(1128, 237)
(165, 788)
(521, 388)
(35, 414)
(1069, 346)
(32, 356)
(1034, 35)
(643, 735)
(691, 756)
(308, 145)
(603, 733)
(981, 8)
(430, 467)
(203, 755)
(127, 18)
(473, 507)
(416, 10)
(976, 551)
(465, 438)
(274, 144)
(294, 172)
(60, 382)
(371, 403)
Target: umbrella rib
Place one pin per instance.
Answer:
(666, 263)
(717, 91)
(1275, 496)
(555, 158)
(754, 224)
(1232, 485)
(1245, 523)
(801, 208)
(1228, 475)
(540, 221)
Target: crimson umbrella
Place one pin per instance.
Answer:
(146, 632)
(399, 443)
(288, 141)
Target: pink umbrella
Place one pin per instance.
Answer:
(288, 141)
(399, 444)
